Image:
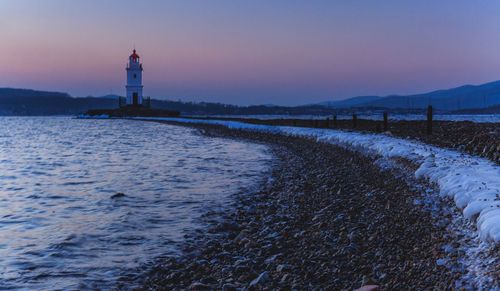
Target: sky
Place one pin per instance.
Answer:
(285, 52)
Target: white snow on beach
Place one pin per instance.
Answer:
(473, 182)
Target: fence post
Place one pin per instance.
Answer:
(354, 120)
(328, 122)
(429, 119)
(385, 121)
(335, 120)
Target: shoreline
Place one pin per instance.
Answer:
(480, 139)
(474, 138)
(330, 219)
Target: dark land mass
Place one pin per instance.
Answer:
(19, 102)
(488, 110)
(131, 111)
(330, 219)
(463, 97)
(480, 139)
(32, 102)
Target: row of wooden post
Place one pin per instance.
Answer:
(385, 122)
(429, 119)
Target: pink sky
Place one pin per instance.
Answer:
(250, 52)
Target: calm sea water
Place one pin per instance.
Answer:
(59, 226)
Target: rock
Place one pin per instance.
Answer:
(368, 288)
(272, 259)
(209, 280)
(229, 287)
(117, 195)
(282, 268)
(284, 279)
(241, 262)
(227, 226)
(241, 269)
(243, 241)
(260, 280)
(198, 286)
(367, 281)
(242, 235)
(273, 235)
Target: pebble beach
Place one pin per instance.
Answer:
(328, 218)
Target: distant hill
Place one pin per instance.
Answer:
(351, 102)
(460, 98)
(467, 98)
(32, 102)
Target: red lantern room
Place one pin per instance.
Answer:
(134, 56)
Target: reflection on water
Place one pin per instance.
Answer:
(59, 226)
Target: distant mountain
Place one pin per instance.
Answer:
(464, 97)
(350, 102)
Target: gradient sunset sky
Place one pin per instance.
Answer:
(250, 52)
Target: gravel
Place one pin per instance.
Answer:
(327, 219)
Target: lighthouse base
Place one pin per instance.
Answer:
(133, 111)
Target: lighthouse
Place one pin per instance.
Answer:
(134, 80)
(136, 105)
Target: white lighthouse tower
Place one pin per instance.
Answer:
(134, 80)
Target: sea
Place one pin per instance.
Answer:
(64, 223)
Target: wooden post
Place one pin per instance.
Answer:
(429, 119)
(335, 120)
(354, 120)
(385, 121)
(327, 122)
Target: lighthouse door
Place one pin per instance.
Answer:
(135, 99)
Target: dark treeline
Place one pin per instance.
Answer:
(31, 102)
